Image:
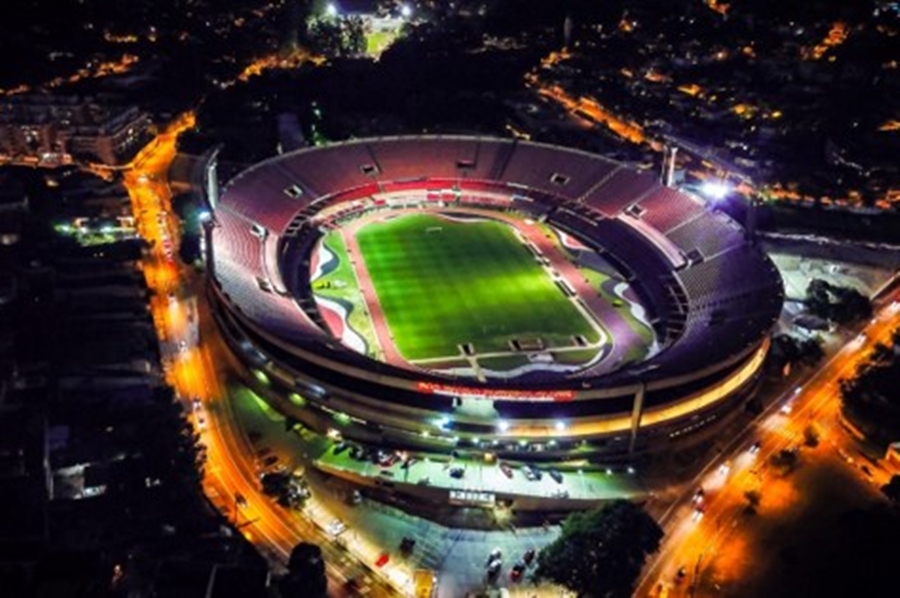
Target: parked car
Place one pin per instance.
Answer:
(494, 567)
(531, 472)
(529, 555)
(457, 472)
(340, 448)
(515, 574)
(506, 469)
(495, 554)
(557, 477)
(336, 527)
(407, 544)
(389, 460)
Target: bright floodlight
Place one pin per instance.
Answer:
(331, 10)
(405, 11)
(503, 425)
(715, 189)
(560, 425)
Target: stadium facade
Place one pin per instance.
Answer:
(711, 296)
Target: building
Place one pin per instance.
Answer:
(54, 130)
(711, 296)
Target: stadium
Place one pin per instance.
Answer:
(452, 293)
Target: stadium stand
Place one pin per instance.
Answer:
(622, 189)
(709, 240)
(711, 297)
(264, 187)
(548, 169)
(665, 209)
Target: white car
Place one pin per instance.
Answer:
(336, 528)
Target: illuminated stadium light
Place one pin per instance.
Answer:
(559, 425)
(715, 190)
(331, 10)
(405, 11)
(503, 425)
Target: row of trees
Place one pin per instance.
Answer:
(836, 303)
(602, 551)
(870, 398)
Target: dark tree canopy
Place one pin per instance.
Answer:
(601, 552)
(870, 399)
(306, 573)
(892, 489)
(841, 304)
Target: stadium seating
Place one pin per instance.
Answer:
(259, 195)
(705, 236)
(567, 173)
(622, 189)
(666, 208)
(414, 158)
(334, 168)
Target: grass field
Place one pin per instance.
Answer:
(442, 284)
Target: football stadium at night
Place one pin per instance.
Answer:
(478, 294)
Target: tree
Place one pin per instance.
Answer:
(892, 489)
(811, 436)
(306, 573)
(601, 552)
(189, 250)
(753, 497)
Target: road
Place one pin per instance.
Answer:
(693, 538)
(193, 364)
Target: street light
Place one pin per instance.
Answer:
(331, 10)
(405, 11)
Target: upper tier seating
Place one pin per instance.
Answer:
(705, 236)
(562, 172)
(621, 190)
(666, 208)
(260, 195)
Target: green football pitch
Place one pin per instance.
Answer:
(445, 283)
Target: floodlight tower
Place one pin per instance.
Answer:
(667, 174)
